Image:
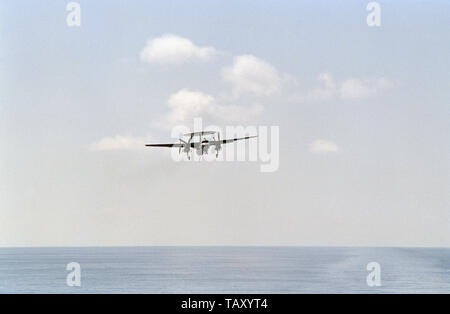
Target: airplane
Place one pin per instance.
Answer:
(203, 145)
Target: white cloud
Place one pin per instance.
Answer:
(118, 142)
(172, 49)
(327, 91)
(323, 146)
(351, 88)
(356, 89)
(249, 74)
(186, 104)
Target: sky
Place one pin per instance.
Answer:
(363, 117)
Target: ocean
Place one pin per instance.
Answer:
(225, 270)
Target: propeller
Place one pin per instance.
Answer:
(181, 142)
(219, 145)
(185, 145)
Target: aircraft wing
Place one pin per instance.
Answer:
(230, 140)
(165, 145)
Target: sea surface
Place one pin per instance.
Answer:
(224, 270)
